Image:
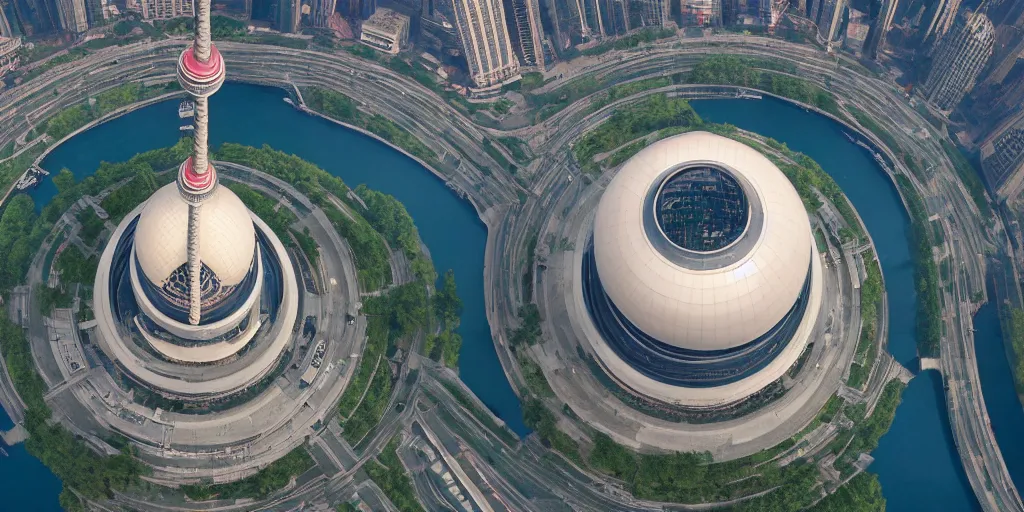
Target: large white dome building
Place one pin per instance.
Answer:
(247, 299)
(231, 272)
(702, 278)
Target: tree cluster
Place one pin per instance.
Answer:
(20, 236)
(74, 267)
(389, 474)
(539, 418)
(73, 118)
(445, 346)
(92, 226)
(1013, 320)
(862, 493)
(269, 479)
(648, 115)
(78, 467)
(926, 273)
(747, 72)
(278, 219)
(339, 106)
(397, 315)
(528, 332)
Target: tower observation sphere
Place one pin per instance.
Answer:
(701, 271)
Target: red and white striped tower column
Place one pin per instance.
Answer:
(200, 73)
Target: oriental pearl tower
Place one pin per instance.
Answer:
(200, 73)
(196, 295)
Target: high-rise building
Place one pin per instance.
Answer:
(386, 30)
(696, 13)
(856, 31)
(5, 24)
(608, 17)
(647, 13)
(289, 15)
(959, 58)
(1002, 159)
(320, 11)
(239, 9)
(729, 11)
(942, 20)
(480, 27)
(164, 9)
(36, 17)
(96, 12)
(829, 18)
(529, 35)
(769, 12)
(879, 28)
(73, 17)
(367, 8)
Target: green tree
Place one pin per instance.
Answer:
(862, 493)
(64, 180)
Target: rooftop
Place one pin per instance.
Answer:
(386, 20)
(702, 208)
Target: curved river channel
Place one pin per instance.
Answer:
(916, 461)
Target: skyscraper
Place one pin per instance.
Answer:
(5, 24)
(200, 73)
(95, 11)
(529, 36)
(289, 15)
(647, 13)
(37, 17)
(830, 17)
(1002, 159)
(480, 27)
(164, 9)
(1006, 58)
(879, 28)
(367, 8)
(697, 13)
(942, 21)
(73, 18)
(959, 58)
(320, 11)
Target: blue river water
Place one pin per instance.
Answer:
(916, 461)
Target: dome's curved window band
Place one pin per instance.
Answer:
(170, 304)
(677, 366)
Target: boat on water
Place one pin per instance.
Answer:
(186, 128)
(28, 181)
(187, 108)
(850, 137)
(4, 452)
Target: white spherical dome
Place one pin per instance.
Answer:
(713, 299)
(227, 238)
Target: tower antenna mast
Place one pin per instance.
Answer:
(200, 73)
